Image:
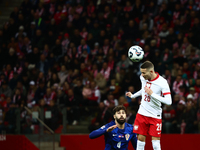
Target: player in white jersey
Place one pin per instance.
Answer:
(154, 91)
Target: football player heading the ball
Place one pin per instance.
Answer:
(117, 133)
(154, 91)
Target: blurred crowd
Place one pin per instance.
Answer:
(72, 54)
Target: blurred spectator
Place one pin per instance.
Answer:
(53, 80)
(43, 64)
(5, 89)
(62, 75)
(98, 121)
(49, 96)
(9, 122)
(40, 92)
(109, 114)
(38, 40)
(134, 101)
(17, 98)
(95, 97)
(31, 94)
(57, 49)
(176, 100)
(196, 71)
(189, 118)
(73, 110)
(105, 71)
(61, 98)
(123, 101)
(198, 118)
(197, 86)
(3, 102)
(169, 122)
(114, 88)
(177, 83)
(193, 92)
(21, 32)
(52, 121)
(34, 57)
(110, 99)
(101, 83)
(14, 80)
(130, 117)
(123, 63)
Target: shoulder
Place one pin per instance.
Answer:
(161, 80)
(129, 127)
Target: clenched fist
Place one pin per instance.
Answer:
(128, 94)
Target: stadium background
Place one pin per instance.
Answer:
(67, 62)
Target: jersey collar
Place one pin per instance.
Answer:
(155, 77)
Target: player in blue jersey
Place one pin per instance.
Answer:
(117, 133)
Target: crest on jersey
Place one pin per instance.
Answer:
(127, 136)
(135, 127)
(148, 85)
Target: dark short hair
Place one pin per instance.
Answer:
(147, 65)
(118, 108)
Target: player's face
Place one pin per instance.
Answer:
(146, 74)
(120, 116)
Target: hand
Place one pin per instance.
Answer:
(128, 94)
(148, 90)
(111, 128)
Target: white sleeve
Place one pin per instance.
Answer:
(139, 93)
(167, 99)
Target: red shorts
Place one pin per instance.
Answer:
(147, 126)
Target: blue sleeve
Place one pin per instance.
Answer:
(134, 141)
(97, 133)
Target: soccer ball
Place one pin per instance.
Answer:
(135, 53)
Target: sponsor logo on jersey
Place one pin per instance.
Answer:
(135, 127)
(159, 132)
(114, 134)
(127, 136)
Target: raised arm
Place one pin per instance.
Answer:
(97, 133)
(129, 94)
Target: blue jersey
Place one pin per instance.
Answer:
(117, 139)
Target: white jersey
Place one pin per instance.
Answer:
(151, 105)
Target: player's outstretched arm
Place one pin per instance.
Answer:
(129, 94)
(97, 133)
(134, 141)
(111, 128)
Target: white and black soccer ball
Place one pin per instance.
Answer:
(135, 53)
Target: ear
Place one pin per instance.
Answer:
(114, 116)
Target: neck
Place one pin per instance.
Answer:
(120, 126)
(154, 76)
